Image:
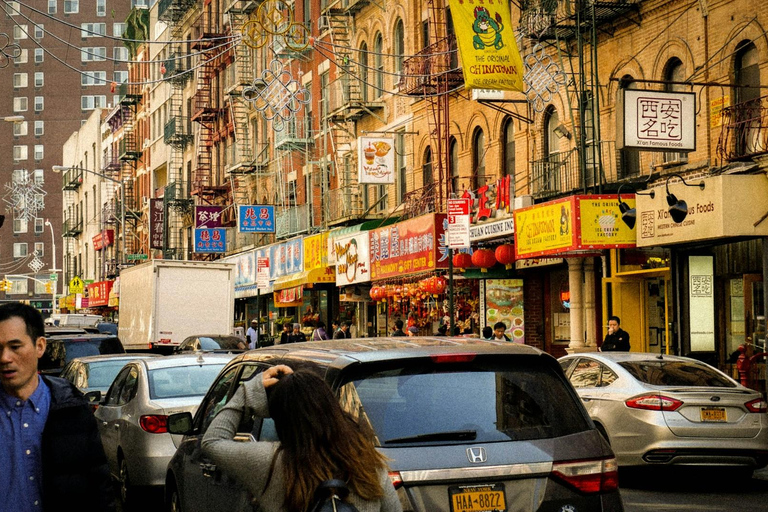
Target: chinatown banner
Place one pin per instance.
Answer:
(98, 293)
(576, 223)
(104, 238)
(408, 247)
(489, 55)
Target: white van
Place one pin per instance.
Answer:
(73, 319)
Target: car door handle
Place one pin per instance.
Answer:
(104, 423)
(208, 470)
(117, 426)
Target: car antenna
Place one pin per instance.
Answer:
(200, 359)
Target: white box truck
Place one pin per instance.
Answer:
(163, 301)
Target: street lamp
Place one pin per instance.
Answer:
(53, 267)
(60, 168)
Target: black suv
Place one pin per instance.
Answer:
(62, 349)
(467, 425)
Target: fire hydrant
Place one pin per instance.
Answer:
(742, 365)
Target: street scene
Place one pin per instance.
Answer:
(441, 255)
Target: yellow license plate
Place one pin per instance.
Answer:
(477, 498)
(715, 414)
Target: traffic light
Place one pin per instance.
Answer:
(49, 287)
(5, 285)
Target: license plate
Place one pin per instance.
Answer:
(477, 498)
(713, 414)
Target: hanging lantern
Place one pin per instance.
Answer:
(462, 260)
(440, 285)
(374, 293)
(483, 258)
(505, 254)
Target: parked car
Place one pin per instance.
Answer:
(96, 373)
(461, 421)
(60, 350)
(212, 343)
(107, 328)
(133, 416)
(51, 330)
(663, 410)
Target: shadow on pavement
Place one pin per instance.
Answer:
(681, 479)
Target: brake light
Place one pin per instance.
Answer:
(588, 476)
(654, 403)
(154, 423)
(757, 405)
(396, 479)
(452, 358)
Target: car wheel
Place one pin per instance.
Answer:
(125, 485)
(174, 500)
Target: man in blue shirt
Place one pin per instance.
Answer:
(50, 449)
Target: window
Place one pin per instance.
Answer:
(39, 31)
(20, 129)
(120, 53)
(20, 225)
(747, 99)
(90, 78)
(101, 7)
(20, 80)
(12, 8)
(18, 285)
(402, 172)
(630, 158)
(140, 3)
(399, 38)
(426, 168)
(93, 30)
(378, 48)
(363, 73)
(120, 76)
(451, 33)
(20, 32)
(509, 148)
(40, 199)
(552, 139)
(675, 72)
(586, 374)
(19, 176)
(478, 158)
(20, 153)
(118, 29)
(71, 6)
(52, 6)
(40, 286)
(39, 177)
(40, 249)
(23, 57)
(453, 162)
(39, 151)
(39, 55)
(39, 128)
(39, 79)
(39, 103)
(19, 249)
(93, 54)
(92, 102)
(39, 225)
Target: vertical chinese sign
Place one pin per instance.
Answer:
(156, 224)
(256, 219)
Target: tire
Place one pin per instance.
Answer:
(124, 485)
(174, 499)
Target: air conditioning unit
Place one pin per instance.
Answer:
(323, 23)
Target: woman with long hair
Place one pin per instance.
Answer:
(318, 441)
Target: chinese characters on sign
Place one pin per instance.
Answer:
(207, 216)
(256, 219)
(210, 240)
(156, 222)
(652, 120)
(407, 247)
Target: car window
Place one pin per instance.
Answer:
(607, 376)
(498, 402)
(586, 374)
(113, 395)
(130, 386)
(676, 373)
(100, 374)
(180, 381)
(565, 365)
(217, 397)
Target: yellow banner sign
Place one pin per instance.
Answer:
(601, 224)
(316, 251)
(489, 55)
(544, 229)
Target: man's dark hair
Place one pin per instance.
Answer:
(499, 325)
(347, 323)
(31, 317)
(614, 317)
(399, 324)
(487, 331)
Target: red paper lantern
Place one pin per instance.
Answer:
(440, 285)
(374, 293)
(505, 254)
(483, 258)
(462, 260)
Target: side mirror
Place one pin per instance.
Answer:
(94, 397)
(180, 423)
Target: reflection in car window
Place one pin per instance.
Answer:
(130, 386)
(676, 373)
(565, 365)
(586, 374)
(114, 390)
(217, 397)
(607, 377)
(179, 381)
(492, 404)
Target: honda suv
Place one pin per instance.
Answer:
(466, 424)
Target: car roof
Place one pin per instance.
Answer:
(171, 361)
(82, 337)
(620, 357)
(109, 357)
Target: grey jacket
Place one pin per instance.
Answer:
(249, 463)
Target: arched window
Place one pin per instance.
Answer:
(399, 41)
(426, 168)
(552, 140)
(674, 72)
(378, 50)
(363, 72)
(747, 72)
(453, 148)
(747, 93)
(452, 47)
(478, 158)
(508, 136)
(630, 158)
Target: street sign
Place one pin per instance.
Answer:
(54, 277)
(458, 223)
(133, 257)
(262, 273)
(76, 285)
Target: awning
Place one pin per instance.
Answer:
(308, 277)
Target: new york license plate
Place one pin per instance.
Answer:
(714, 414)
(477, 498)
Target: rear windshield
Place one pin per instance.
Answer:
(101, 375)
(676, 373)
(180, 381)
(59, 352)
(406, 406)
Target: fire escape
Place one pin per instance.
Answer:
(129, 154)
(109, 220)
(72, 226)
(431, 74)
(177, 133)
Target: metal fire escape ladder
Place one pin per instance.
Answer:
(130, 154)
(205, 115)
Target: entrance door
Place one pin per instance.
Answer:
(754, 311)
(656, 313)
(642, 304)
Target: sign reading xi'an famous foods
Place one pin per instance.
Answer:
(376, 157)
(489, 55)
(653, 120)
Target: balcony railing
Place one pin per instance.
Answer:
(744, 130)
(292, 221)
(295, 135)
(434, 69)
(173, 10)
(421, 201)
(176, 132)
(344, 203)
(72, 227)
(558, 174)
(72, 179)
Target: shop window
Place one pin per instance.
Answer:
(560, 305)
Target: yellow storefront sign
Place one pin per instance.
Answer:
(489, 55)
(316, 251)
(544, 229)
(601, 223)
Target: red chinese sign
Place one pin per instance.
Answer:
(98, 293)
(103, 239)
(407, 247)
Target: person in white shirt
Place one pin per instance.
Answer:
(252, 334)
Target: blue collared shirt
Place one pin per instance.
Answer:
(21, 434)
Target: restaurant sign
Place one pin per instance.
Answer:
(656, 120)
(98, 293)
(491, 210)
(408, 247)
(352, 254)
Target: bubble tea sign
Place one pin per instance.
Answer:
(376, 160)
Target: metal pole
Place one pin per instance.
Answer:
(258, 319)
(450, 292)
(54, 270)
(765, 306)
(122, 223)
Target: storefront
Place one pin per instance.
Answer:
(98, 298)
(349, 253)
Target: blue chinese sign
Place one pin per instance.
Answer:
(210, 240)
(256, 219)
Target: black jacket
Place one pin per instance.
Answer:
(616, 342)
(75, 469)
(398, 332)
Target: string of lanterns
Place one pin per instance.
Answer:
(423, 289)
(485, 258)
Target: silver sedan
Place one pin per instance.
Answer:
(666, 410)
(133, 417)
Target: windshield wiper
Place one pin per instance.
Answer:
(452, 435)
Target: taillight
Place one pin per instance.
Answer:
(154, 423)
(452, 358)
(654, 403)
(588, 476)
(757, 405)
(396, 479)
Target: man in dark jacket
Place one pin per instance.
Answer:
(343, 332)
(297, 336)
(617, 339)
(50, 449)
(398, 328)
